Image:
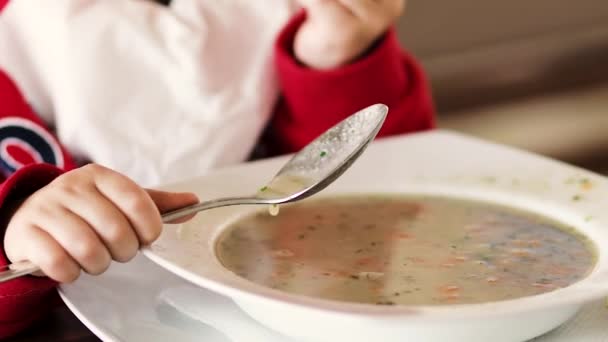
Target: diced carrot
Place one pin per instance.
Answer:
(365, 261)
(335, 273)
(451, 296)
(376, 289)
(342, 273)
(543, 285)
(402, 236)
(445, 289)
(526, 243)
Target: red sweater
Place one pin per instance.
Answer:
(312, 101)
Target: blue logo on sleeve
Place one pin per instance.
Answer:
(30, 139)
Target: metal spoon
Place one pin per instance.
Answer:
(309, 171)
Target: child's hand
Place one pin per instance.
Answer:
(84, 219)
(338, 31)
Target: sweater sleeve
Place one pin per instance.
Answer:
(314, 100)
(30, 157)
(25, 299)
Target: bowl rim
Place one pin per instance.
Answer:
(595, 285)
(240, 288)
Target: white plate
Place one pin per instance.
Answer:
(141, 301)
(438, 162)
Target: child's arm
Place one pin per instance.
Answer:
(23, 139)
(63, 222)
(314, 100)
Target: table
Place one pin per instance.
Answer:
(62, 326)
(59, 325)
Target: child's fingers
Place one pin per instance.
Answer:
(52, 259)
(167, 201)
(132, 201)
(109, 223)
(77, 238)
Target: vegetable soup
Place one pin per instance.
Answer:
(421, 250)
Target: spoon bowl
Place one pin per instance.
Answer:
(313, 168)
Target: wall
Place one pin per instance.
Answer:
(533, 74)
(478, 51)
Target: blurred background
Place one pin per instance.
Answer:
(532, 74)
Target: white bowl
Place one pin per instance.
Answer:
(440, 163)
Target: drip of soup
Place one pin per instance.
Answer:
(390, 250)
(273, 209)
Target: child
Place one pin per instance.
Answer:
(157, 94)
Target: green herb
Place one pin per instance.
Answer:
(576, 198)
(323, 154)
(264, 188)
(484, 257)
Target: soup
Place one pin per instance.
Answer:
(389, 250)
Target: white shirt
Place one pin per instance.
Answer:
(158, 93)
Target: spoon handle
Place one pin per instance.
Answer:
(17, 270)
(22, 268)
(216, 203)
